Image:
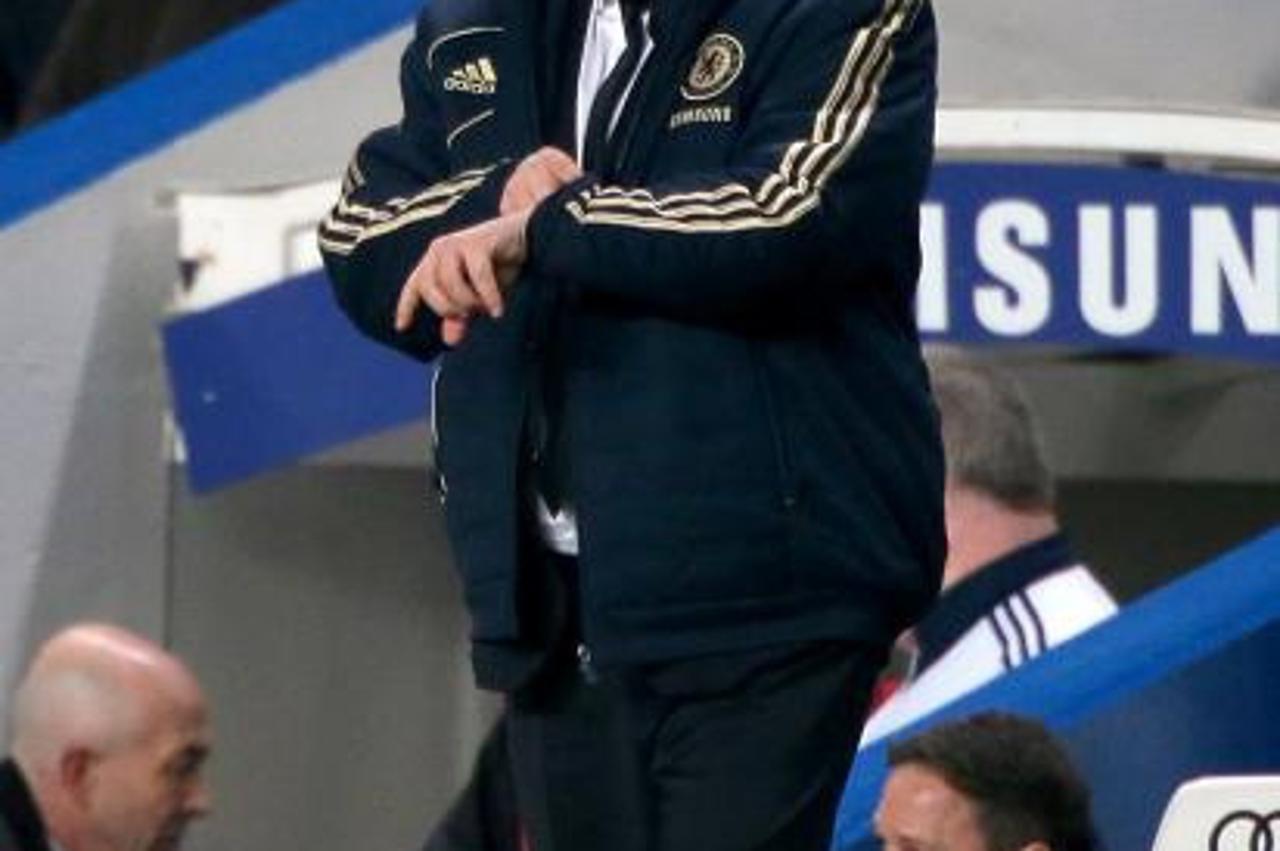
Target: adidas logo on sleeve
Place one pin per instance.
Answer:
(476, 78)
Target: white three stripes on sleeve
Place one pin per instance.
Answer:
(349, 223)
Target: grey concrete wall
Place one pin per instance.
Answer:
(1154, 419)
(1203, 54)
(319, 607)
(83, 497)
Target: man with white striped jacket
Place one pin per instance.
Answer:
(1012, 587)
(667, 252)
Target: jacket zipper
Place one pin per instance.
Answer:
(437, 472)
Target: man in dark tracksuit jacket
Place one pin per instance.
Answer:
(723, 304)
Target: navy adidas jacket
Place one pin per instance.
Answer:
(728, 307)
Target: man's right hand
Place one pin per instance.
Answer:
(538, 175)
(469, 271)
(465, 273)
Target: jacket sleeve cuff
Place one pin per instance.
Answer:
(481, 203)
(554, 252)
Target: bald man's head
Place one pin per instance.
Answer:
(111, 731)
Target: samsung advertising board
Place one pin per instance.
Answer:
(1109, 258)
(1094, 257)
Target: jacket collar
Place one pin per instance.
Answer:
(973, 598)
(18, 809)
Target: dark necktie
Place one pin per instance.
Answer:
(550, 434)
(605, 104)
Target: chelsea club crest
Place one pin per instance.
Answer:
(715, 68)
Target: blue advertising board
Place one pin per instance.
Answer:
(1101, 257)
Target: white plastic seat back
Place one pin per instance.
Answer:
(1222, 814)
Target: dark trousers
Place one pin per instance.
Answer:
(483, 816)
(744, 751)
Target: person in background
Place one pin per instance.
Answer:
(1012, 587)
(109, 735)
(992, 782)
